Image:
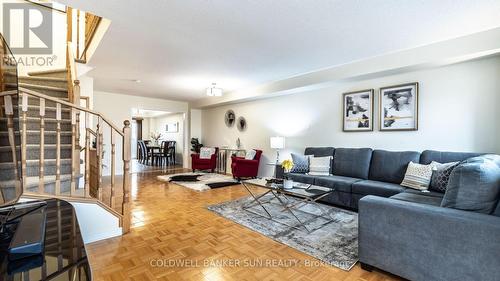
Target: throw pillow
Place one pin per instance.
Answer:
(474, 185)
(300, 163)
(250, 154)
(441, 176)
(206, 152)
(319, 166)
(418, 176)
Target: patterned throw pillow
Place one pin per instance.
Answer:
(418, 176)
(250, 155)
(441, 176)
(319, 166)
(300, 164)
(206, 152)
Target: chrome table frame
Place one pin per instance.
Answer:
(282, 196)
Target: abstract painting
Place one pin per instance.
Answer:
(399, 107)
(358, 111)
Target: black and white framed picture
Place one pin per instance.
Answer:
(358, 111)
(172, 127)
(399, 107)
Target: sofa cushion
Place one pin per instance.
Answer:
(418, 176)
(352, 162)
(390, 166)
(369, 187)
(338, 182)
(424, 192)
(497, 210)
(301, 178)
(474, 185)
(418, 198)
(444, 157)
(320, 166)
(441, 176)
(319, 151)
(300, 163)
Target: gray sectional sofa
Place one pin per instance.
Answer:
(406, 231)
(358, 172)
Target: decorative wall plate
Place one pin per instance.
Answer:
(241, 124)
(230, 118)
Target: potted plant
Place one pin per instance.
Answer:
(287, 166)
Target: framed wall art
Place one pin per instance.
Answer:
(358, 111)
(399, 107)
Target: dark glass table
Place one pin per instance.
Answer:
(64, 257)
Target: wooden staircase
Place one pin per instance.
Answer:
(51, 147)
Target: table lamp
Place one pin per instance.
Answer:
(277, 143)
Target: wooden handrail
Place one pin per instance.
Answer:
(62, 102)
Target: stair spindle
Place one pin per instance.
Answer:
(24, 125)
(113, 165)
(41, 172)
(74, 152)
(99, 151)
(87, 155)
(58, 149)
(9, 111)
(76, 94)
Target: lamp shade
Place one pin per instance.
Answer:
(277, 142)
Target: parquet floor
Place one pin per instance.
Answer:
(175, 238)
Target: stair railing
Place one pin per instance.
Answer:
(89, 190)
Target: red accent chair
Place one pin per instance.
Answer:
(243, 168)
(204, 164)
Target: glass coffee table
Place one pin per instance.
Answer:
(290, 199)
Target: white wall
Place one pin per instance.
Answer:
(458, 112)
(118, 108)
(107, 227)
(158, 124)
(196, 125)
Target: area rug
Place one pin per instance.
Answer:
(335, 244)
(204, 181)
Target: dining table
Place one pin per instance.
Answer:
(152, 148)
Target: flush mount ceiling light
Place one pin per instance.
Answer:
(213, 91)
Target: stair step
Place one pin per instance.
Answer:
(33, 152)
(33, 137)
(33, 124)
(56, 73)
(55, 92)
(50, 112)
(50, 183)
(44, 81)
(32, 168)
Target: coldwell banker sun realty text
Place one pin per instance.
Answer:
(28, 30)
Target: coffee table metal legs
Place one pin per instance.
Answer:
(257, 200)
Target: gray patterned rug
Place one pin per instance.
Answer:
(335, 244)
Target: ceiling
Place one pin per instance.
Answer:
(177, 48)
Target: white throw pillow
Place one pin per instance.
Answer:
(206, 152)
(418, 176)
(319, 166)
(250, 154)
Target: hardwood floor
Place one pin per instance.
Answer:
(171, 225)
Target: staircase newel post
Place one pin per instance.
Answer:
(126, 176)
